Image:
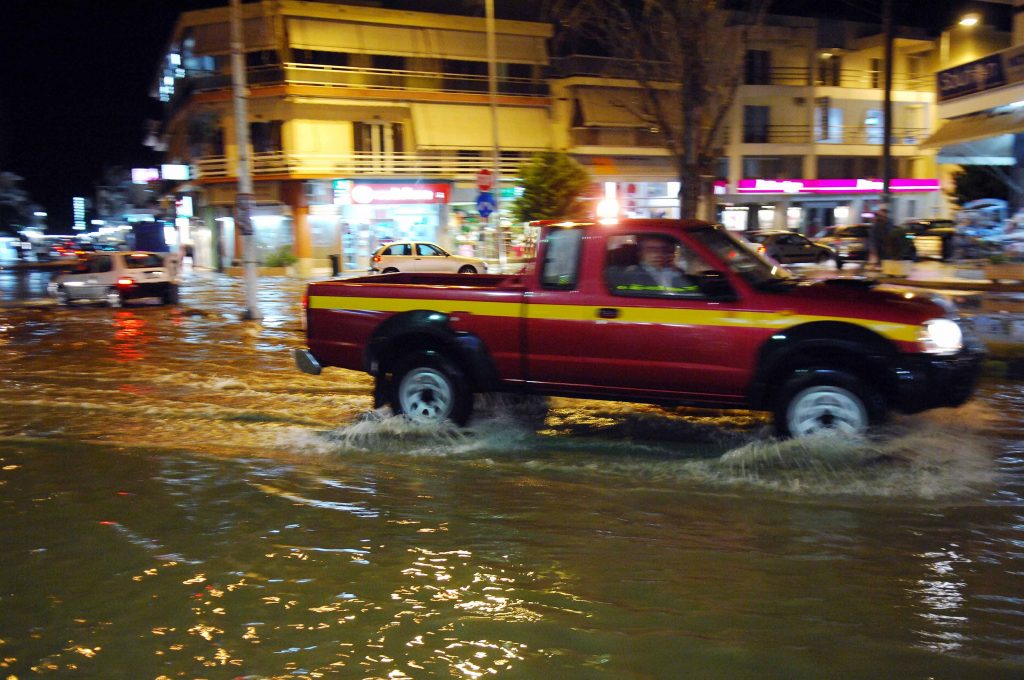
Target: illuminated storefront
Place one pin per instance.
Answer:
(371, 213)
(808, 204)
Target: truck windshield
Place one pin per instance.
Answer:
(739, 256)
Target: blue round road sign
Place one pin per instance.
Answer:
(485, 204)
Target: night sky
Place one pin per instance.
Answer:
(75, 77)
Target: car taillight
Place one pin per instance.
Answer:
(376, 258)
(305, 302)
(761, 250)
(125, 281)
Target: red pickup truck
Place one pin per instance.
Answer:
(729, 329)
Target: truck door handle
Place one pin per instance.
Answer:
(608, 313)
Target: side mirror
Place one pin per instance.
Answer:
(715, 285)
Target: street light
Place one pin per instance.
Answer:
(969, 20)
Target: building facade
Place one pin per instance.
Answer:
(369, 124)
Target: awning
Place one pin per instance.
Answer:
(996, 150)
(412, 41)
(452, 126)
(974, 127)
(618, 107)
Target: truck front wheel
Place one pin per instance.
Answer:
(427, 388)
(827, 401)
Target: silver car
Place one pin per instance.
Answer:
(114, 277)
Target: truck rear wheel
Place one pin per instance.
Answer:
(428, 388)
(827, 401)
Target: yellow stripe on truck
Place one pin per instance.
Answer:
(627, 314)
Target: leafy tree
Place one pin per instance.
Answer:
(15, 207)
(972, 182)
(553, 184)
(685, 58)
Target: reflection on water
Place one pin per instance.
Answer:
(177, 501)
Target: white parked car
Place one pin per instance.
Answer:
(114, 277)
(420, 256)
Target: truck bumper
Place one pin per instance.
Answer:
(306, 362)
(926, 382)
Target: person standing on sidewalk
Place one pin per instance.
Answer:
(880, 227)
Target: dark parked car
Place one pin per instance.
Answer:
(930, 238)
(850, 241)
(786, 247)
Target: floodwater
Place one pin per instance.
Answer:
(177, 501)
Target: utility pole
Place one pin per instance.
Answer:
(492, 87)
(243, 196)
(888, 36)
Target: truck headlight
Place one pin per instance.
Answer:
(942, 336)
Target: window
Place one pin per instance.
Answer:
(380, 139)
(757, 67)
(561, 258)
(829, 71)
(873, 126)
(652, 265)
(266, 137)
(100, 265)
(399, 249)
(755, 124)
(141, 261)
(428, 250)
(387, 62)
(875, 73)
(828, 123)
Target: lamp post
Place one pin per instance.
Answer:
(243, 195)
(492, 87)
(889, 35)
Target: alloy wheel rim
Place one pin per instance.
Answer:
(826, 408)
(426, 395)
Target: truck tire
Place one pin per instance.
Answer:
(827, 401)
(428, 388)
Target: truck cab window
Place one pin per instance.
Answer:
(561, 258)
(652, 265)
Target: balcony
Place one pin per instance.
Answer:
(616, 136)
(846, 134)
(800, 76)
(349, 78)
(278, 163)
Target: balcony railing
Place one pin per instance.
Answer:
(605, 136)
(846, 134)
(458, 168)
(583, 65)
(373, 78)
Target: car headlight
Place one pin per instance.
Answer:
(942, 336)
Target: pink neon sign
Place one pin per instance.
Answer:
(832, 186)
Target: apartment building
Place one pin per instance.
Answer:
(370, 124)
(366, 124)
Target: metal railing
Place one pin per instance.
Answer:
(846, 134)
(374, 78)
(357, 165)
(801, 76)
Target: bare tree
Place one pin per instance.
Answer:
(686, 59)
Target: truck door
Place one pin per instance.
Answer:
(638, 325)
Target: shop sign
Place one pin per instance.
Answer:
(832, 186)
(987, 73)
(347, 192)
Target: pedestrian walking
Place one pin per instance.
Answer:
(880, 227)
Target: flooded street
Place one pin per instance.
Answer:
(178, 501)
